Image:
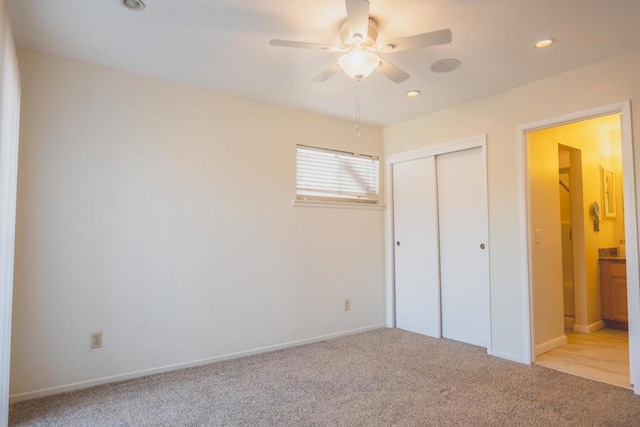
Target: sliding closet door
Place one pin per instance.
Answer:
(464, 259)
(416, 246)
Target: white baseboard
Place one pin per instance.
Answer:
(550, 345)
(588, 329)
(510, 357)
(19, 397)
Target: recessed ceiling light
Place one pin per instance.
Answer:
(543, 43)
(133, 4)
(445, 65)
(412, 93)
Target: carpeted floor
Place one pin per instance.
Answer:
(381, 378)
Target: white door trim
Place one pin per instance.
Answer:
(630, 223)
(432, 150)
(9, 128)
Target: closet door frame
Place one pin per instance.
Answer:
(478, 141)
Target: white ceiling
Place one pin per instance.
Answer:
(223, 45)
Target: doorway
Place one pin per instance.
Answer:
(577, 223)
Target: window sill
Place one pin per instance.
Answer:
(338, 205)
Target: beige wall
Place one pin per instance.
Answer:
(546, 252)
(599, 143)
(499, 116)
(161, 215)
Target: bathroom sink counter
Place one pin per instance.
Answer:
(614, 258)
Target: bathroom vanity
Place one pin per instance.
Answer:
(613, 292)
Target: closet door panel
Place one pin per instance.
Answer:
(464, 260)
(417, 289)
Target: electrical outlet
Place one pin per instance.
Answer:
(96, 340)
(347, 305)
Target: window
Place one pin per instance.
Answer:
(336, 176)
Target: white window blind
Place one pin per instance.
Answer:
(335, 175)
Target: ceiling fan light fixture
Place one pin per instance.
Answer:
(133, 4)
(543, 43)
(358, 64)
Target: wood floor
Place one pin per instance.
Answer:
(601, 356)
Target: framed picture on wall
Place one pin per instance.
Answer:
(608, 185)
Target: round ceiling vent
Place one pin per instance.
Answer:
(445, 65)
(133, 4)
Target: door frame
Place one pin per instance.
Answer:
(577, 226)
(477, 141)
(9, 136)
(631, 225)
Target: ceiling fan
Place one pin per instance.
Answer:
(360, 45)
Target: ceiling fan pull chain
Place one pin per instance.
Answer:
(358, 131)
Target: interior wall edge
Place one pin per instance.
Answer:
(10, 90)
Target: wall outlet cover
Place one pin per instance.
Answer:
(96, 340)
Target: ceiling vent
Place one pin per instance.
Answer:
(445, 65)
(133, 4)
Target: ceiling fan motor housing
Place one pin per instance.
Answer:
(370, 40)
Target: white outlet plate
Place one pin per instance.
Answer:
(96, 340)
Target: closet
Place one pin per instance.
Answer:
(440, 245)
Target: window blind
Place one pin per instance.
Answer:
(335, 175)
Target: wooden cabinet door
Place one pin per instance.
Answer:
(619, 288)
(613, 290)
(606, 294)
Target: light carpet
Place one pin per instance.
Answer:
(385, 377)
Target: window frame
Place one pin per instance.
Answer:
(366, 201)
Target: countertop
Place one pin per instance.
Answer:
(613, 258)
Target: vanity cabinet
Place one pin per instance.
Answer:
(613, 292)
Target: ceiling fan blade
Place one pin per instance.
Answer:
(303, 45)
(433, 38)
(392, 72)
(358, 18)
(326, 74)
